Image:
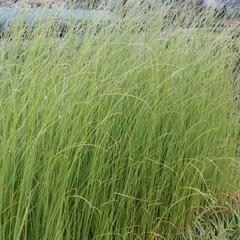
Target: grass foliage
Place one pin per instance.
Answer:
(121, 131)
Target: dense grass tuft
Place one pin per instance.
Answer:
(120, 131)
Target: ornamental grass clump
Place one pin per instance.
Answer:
(125, 130)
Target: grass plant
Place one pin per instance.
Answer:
(124, 131)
